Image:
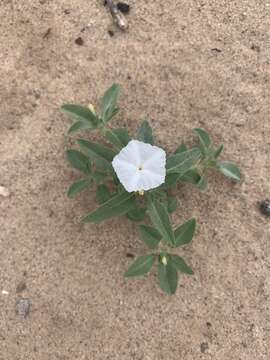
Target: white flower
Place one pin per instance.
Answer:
(140, 166)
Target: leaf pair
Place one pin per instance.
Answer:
(168, 267)
(183, 234)
(163, 227)
(211, 155)
(86, 118)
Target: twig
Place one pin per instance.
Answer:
(118, 17)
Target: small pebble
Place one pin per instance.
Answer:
(79, 41)
(4, 191)
(111, 33)
(204, 347)
(23, 307)
(123, 7)
(5, 292)
(265, 207)
(21, 287)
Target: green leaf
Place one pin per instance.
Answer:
(109, 102)
(101, 155)
(150, 236)
(160, 218)
(191, 176)
(118, 205)
(218, 151)
(181, 148)
(79, 125)
(202, 184)
(180, 264)
(182, 162)
(204, 139)
(172, 204)
(141, 266)
(145, 133)
(136, 214)
(79, 161)
(103, 194)
(78, 186)
(81, 113)
(184, 233)
(118, 137)
(229, 169)
(98, 177)
(171, 180)
(168, 278)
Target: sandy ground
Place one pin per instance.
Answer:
(184, 64)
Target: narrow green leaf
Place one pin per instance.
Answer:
(203, 183)
(184, 233)
(180, 264)
(79, 161)
(191, 176)
(141, 266)
(150, 236)
(182, 148)
(145, 133)
(204, 138)
(80, 113)
(101, 155)
(160, 218)
(79, 125)
(118, 137)
(182, 162)
(172, 204)
(171, 180)
(103, 194)
(109, 102)
(118, 205)
(218, 151)
(136, 214)
(168, 278)
(98, 177)
(78, 186)
(229, 169)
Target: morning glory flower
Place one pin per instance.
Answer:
(140, 166)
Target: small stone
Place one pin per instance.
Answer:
(255, 48)
(265, 207)
(123, 7)
(21, 287)
(79, 41)
(204, 347)
(23, 307)
(4, 191)
(111, 33)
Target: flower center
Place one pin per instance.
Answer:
(140, 168)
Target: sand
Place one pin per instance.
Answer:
(182, 64)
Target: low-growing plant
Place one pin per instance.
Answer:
(134, 178)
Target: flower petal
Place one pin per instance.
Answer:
(140, 166)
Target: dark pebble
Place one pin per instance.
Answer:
(265, 207)
(21, 287)
(255, 48)
(129, 255)
(123, 7)
(204, 347)
(111, 33)
(79, 41)
(23, 307)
